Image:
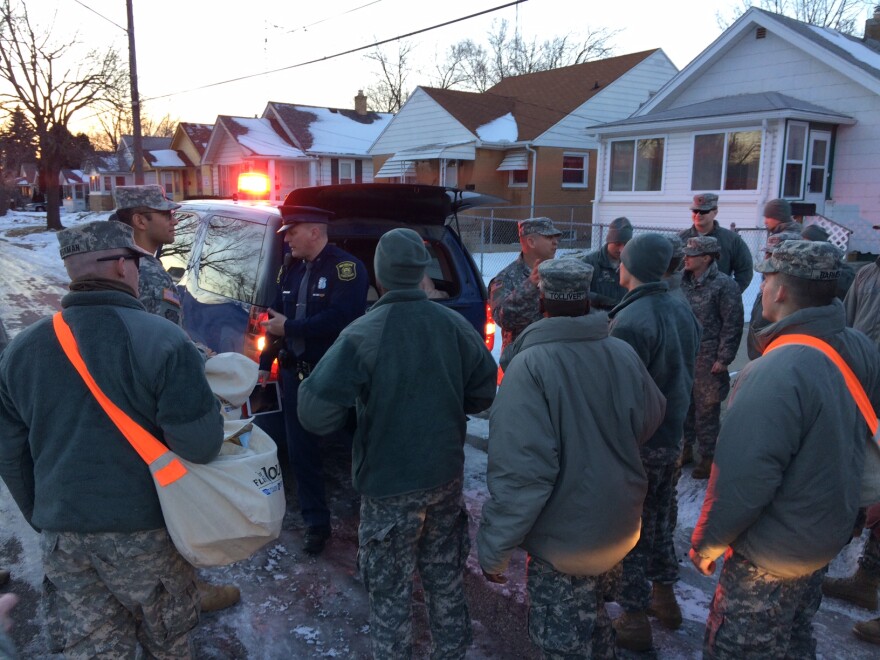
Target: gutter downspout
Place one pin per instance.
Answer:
(534, 177)
(765, 165)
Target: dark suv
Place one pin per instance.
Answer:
(227, 255)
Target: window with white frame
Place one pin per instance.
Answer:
(107, 186)
(637, 165)
(795, 160)
(518, 178)
(574, 170)
(346, 171)
(168, 182)
(728, 160)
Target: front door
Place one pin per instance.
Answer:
(817, 169)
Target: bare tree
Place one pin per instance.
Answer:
(390, 91)
(472, 67)
(841, 15)
(51, 85)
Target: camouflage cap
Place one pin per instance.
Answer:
(677, 245)
(701, 245)
(705, 202)
(97, 236)
(809, 260)
(774, 240)
(147, 197)
(565, 279)
(543, 226)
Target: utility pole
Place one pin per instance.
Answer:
(135, 100)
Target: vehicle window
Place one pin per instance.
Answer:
(175, 257)
(230, 258)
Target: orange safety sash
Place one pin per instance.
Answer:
(852, 381)
(147, 447)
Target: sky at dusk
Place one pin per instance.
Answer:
(185, 47)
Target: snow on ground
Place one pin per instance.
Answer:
(294, 606)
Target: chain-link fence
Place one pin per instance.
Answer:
(492, 237)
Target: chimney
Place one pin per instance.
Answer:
(872, 25)
(360, 103)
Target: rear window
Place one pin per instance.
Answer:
(230, 258)
(175, 257)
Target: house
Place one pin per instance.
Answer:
(772, 108)
(294, 146)
(28, 181)
(74, 189)
(166, 168)
(106, 171)
(243, 144)
(191, 140)
(523, 139)
(339, 139)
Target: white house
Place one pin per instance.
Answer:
(773, 108)
(522, 139)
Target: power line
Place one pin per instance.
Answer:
(97, 13)
(334, 56)
(324, 20)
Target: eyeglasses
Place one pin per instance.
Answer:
(134, 257)
(701, 211)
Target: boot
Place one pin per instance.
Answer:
(868, 631)
(702, 470)
(4, 576)
(217, 596)
(860, 588)
(633, 631)
(664, 607)
(687, 455)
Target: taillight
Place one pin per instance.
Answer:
(489, 329)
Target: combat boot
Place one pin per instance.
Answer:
(4, 576)
(664, 607)
(687, 455)
(860, 588)
(217, 596)
(633, 631)
(702, 470)
(868, 631)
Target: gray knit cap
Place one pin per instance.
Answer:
(647, 257)
(401, 258)
(619, 231)
(778, 209)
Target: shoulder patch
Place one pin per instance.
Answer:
(170, 296)
(346, 270)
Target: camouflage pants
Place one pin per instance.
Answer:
(567, 616)
(703, 420)
(428, 531)
(106, 593)
(653, 558)
(755, 614)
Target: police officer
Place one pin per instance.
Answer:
(321, 292)
(513, 292)
(150, 214)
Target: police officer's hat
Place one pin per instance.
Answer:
(294, 215)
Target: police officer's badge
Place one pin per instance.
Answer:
(346, 270)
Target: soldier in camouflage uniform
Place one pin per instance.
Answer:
(605, 288)
(151, 215)
(757, 320)
(408, 460)
(717, 304)
(513, 292)
(777, 217)
(782, 501)
(666, 335)
(113, 579)
(565, 478)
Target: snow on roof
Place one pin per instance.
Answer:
(159, 158)
(258, 136)
(331, 130)
(856, 49)
(503, 129)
